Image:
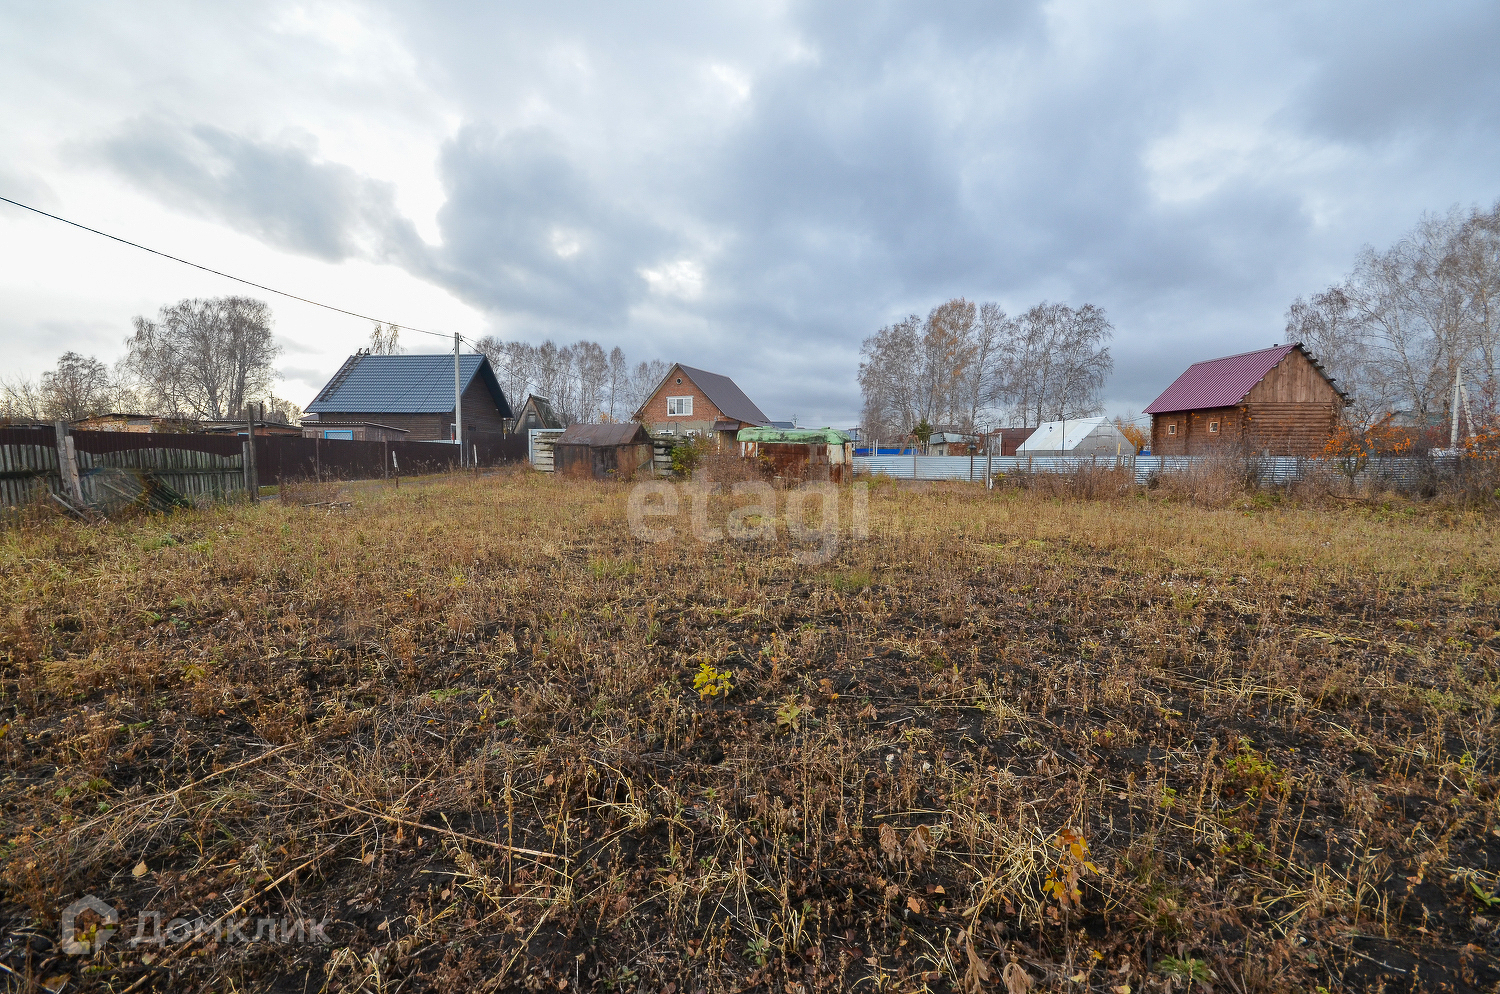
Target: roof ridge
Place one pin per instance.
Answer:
(1240, 355)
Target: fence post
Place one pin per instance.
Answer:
(67, 463)
(252, 478)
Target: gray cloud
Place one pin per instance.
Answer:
(278, 191)
(756, 192)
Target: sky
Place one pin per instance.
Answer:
(748, 188)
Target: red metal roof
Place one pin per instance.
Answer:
(1219, 382)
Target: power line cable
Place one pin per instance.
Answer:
(237, 279)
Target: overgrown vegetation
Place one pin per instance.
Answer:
(1015, 740)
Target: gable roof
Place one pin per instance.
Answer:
(404, 384)
(625, 433)
(542, 407)
(722, 391)
(1225, 382)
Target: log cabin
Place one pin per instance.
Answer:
(1278, 401)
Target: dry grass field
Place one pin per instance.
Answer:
(1008, 742)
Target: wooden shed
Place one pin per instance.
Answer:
(816, 454)
(1277, 400)
(603, 452)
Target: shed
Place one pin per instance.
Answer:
(537, 413)
(1005, 441)
(1278, 400)
(603, 452)
(816, 454)
(1096, 437)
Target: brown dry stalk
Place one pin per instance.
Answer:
(187, 943)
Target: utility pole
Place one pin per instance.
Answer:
(458, 406)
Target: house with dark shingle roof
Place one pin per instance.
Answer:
(1278, 400)
(413, 393)
(696, 402)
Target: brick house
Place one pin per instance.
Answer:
(696, 402)
(413, 394)
(1277, 400)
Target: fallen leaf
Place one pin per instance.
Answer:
(549, 780)
(1017, 980)
(140, 869)
(915, 903)
(1079, 978)
(367, 858)
(890, 843)
(1122, 989)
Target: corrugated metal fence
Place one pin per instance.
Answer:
(1268, 469)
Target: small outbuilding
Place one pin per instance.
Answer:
(537, 413)
(1089, 437)
(815, 454)
(603, 452)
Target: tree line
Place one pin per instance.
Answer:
(200, 358)
(1410, 320)
(968, 364)
(583, 382)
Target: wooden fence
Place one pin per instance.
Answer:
(213, 466)
(107, 467)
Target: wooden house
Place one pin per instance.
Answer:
(603, 452)
(695, 402)
(412, 393)
(1277, 400)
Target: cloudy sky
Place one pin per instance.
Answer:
(751, 188)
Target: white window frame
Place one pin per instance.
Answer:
(1213, 427)
(683, 405)
(1172, 428)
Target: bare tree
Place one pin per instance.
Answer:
(1413, 317)
(1054, 361)
(514, 364)
(948, 354)
(891, 378)
(279, 410)
(77, 388)
(385, 340)
(990, 334)
(591, 367)
(205, 358)
(645, 378)
(619, 378)
(22, 399)
(1329, 326)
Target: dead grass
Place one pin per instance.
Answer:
(1013, 737)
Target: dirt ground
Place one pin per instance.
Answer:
(481, 738)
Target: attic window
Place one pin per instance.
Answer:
(1171, 429)
(679, 379)
(1213, 427)
(679, 406)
